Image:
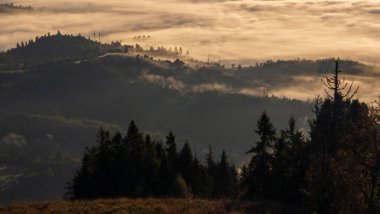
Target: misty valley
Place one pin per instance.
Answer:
(89, 124)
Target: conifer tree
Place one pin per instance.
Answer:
(185, 163)
(171, 150)
(289, 165)
(165, 176)
(333, 173)
(210, 163)
(226, 178)
(200, 185)
(257, 173)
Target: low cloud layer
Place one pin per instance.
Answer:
(301, 87)
(242, 31)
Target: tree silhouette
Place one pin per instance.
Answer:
(226, 182)
(338, 86)
(185, 163)
(257, 172)
(172, 152)
(340, 141)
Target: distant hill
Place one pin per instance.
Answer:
(118, 89)
(52, 48)
(11, 7)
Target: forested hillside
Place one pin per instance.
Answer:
(58, 90)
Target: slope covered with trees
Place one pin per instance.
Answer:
(52, 48)
(57, 100)
(13, 8)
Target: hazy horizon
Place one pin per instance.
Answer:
(240, 31)
(230, 106)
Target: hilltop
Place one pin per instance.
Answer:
(11, 7)
(54, 48)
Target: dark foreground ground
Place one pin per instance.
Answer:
(150, 205)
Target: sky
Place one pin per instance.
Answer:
(241, 31)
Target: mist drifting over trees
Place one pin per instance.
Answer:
(232, 138)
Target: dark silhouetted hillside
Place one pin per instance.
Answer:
(57, 90)
(11, 7)
(53, 48)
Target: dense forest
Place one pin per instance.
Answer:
(136, 166)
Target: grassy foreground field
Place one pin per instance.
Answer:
(149, 205)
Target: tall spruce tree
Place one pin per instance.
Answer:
(340, 138)
(289, 166)
(200, 185)
(171, 149)
(225, 184)
(185, 164)
(211, 175)
(255, 180)
(210, 164)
